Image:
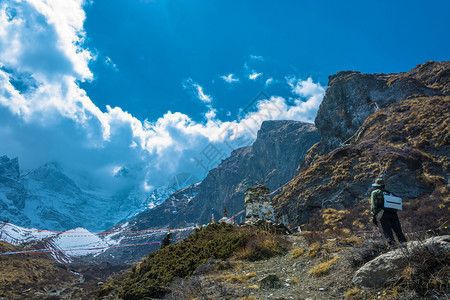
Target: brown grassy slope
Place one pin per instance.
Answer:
(435, 75)
(20, 272)
(408, 142)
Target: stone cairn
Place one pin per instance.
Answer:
(258, 205)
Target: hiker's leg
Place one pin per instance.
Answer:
(398, 229)
(387, 228)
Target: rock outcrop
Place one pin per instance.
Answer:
(379, 270)
(352, 96)
(407, 140)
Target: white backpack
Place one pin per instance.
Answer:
(391, 201)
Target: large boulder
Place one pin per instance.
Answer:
(377, 271)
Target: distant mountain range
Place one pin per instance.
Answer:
(47, 198)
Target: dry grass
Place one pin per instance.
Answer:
(427, 275)
(352, 241)
(22, 271)
(248, 298)
(236, 278)
(297, 252)
(263, 245)
(314, 250)
(323, 268)
(352, 293)
(293, 280)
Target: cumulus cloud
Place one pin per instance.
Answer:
(47, 116)
(197, 90)
(43, 37)
(229, 78)
(254, 75)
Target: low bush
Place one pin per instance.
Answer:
(153, 276)
(204, 251)
(312, 237)
(263, 245)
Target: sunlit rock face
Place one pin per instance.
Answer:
(352, 96)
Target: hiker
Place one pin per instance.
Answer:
(384, 208)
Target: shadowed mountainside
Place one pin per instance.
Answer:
(272, 160)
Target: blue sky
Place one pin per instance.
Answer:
(148, 85)
(157, 44)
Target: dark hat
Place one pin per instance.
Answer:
(379, 182)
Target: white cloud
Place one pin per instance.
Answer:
(309, 90)
(197, 90)
(43, 38)
(254, 75)
(229, 78)
(110, 63)
(257, 57)
(52, 118)
(268, 82)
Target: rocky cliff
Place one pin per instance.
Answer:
(352, 96)
(406, 139)
(272, 160)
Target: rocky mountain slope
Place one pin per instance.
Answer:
(272, 160)
(406, 140)
(352, 96)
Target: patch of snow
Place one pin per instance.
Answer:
(78, 241)
(16, 235)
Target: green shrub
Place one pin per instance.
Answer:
(153, 276)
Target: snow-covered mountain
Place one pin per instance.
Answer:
(47, 198)
(64, 246)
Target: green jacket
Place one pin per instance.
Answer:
(376, 201)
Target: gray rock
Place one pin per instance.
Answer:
(351, 95)
(270, 281)
(377, 271)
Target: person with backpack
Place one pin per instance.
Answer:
(384, 207)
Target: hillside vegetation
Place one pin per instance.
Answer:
(154, 275)
(226, 262)
(408, 143)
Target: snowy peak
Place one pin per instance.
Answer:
(50, 176)
(9, 168)
(48, 198)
